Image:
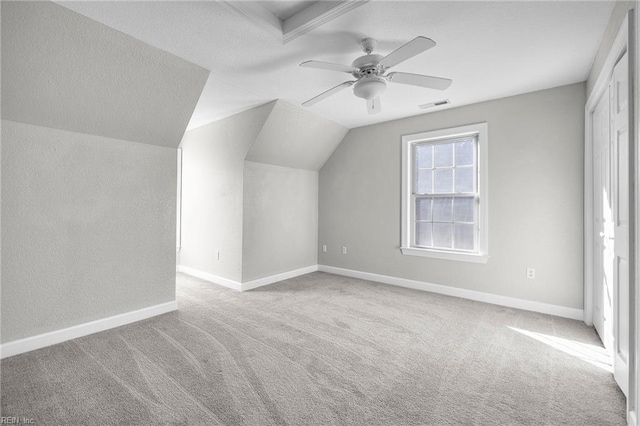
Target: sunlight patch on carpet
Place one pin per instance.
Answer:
(592, 354)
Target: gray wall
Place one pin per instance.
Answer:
(212, 176)
(280, 222)
(87, 228)
(91, 119)
(63, 70)
(250, 191)
(619, 12)
(535, 199)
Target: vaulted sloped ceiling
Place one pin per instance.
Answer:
(63, 70)
(293, 137)
(276, 133)
(491, 50)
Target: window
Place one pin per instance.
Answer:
(444, 194)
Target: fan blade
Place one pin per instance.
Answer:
(374, 106)
(328, 93)
(407, 51)
(420, 80)
(328, 66)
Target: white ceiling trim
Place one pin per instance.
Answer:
(315, 15)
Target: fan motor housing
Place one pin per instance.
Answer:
(368, 65)
(369, 87)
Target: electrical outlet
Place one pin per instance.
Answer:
(344, 250)
(324, 248)
(531, 273)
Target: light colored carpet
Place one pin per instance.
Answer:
(320, 350)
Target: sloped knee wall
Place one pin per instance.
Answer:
(250, 185)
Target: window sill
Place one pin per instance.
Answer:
(437, 254)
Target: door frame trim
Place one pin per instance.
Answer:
(618, 49)
(626, 41)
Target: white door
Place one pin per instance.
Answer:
(611, 220)
(620, 181)
(603, 222)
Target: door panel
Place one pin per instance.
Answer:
(603, 222)
(620, 124)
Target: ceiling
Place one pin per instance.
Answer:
(284, 9)
(490, 50)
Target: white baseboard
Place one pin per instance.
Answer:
(249, 285)
(234, 285)
(631, 419)
(58, 336)
(494, 299)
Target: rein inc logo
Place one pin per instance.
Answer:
(6, 420)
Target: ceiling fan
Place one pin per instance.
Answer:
(369, 71)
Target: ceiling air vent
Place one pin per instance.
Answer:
(435, 104)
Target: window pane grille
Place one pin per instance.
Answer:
(424, 156)
(463, 209)
(423, 209)
(463, 236)
(443, 209)
(464, 179)
(444, 155)
(423, 234)
(443, 180)
(424, 181)
(464, 153)
(445, 195)
(442, 236)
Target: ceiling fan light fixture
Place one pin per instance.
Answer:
(370, 73)
(369, 87)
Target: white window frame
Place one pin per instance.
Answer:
(479, 130)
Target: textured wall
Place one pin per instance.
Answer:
(88, 183)
(65, 71)
(88, 228)
(536, 157)
(280, 220)
(212, 167)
